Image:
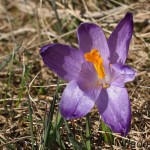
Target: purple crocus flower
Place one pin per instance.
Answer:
(96, 73)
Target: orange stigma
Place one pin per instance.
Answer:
(94, 57)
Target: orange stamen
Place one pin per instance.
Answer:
(94, 57)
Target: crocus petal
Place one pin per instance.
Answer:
(63, 60)
(76, 103)
(119, 40)
(121, 74)
(114, 106)
(91, 36)
(88, 77)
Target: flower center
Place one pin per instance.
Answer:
(94, 57)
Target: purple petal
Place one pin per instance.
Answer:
(88, 77)
(64, 60)
(119, 40)
(122, 74)
(91, 36)
(76, 103)
(114, 106)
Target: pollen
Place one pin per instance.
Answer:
(94, 57)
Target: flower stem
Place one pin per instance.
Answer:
(88, 142)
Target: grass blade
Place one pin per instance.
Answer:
(48, 123)
(108, 137)
(31, 122)
(71, 138)
(57, 16)
(9, 146)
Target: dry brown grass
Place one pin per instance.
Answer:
(32, 23)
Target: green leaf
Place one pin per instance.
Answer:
(72, 139)
(108, 137)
